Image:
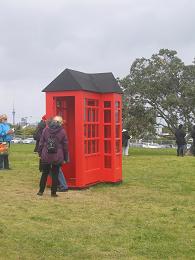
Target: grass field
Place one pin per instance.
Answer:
(151, 215)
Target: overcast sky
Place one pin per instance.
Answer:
(40, 38)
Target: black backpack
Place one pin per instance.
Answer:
(52, 144)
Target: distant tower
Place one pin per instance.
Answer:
(13, 114)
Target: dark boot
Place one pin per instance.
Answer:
(40, 193)
(54, 195)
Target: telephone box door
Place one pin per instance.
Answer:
(65, 107)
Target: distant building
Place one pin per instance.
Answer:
(23, 121)
(159, 130)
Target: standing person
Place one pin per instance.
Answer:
(62, 187)
(38, 132)
(180, 140)
(6, 135)
(193, 137)
(53, 152)
(125, 141)
(37, 136)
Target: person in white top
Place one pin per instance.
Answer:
(125, 142)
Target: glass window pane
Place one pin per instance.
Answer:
(85, 114)
(93, 146)
(96, 115)
(58, 103)
(117, 104)
(85, 147)
(85, 131)
(118, 146)
(89, 147)
(107, 131)
(97, 131)
(93, 115)
(107, 116)
(107, 146)
(117, 131)
(117, 116)
(91, 102)
(89, 131)
(107, 104)
(93, 131)
(107, 161)
(97, 146)
(89, 114)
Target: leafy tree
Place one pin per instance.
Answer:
(28, 131)
(139, 121)
(18, 130)
(163, 85)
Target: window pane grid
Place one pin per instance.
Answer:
(91, 126)
(117, 127)
(107, 134)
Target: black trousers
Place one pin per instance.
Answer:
(1, 161)
(46, 169)
(193, 148)
(40, 165)
(180, 149)
(4, 161)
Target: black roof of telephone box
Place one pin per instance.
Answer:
(76, 80)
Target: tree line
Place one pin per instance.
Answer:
(158, 91)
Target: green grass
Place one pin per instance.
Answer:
(151, 215)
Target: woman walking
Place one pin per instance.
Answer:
(53, 152)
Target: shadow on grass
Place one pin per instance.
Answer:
(106, 185)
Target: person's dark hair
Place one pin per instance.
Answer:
(180, 126)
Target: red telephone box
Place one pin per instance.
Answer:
(91, 107)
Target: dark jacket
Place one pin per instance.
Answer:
(37, 134)
(125, 138)
(193, 135)
(180, 137)
(62, 145)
